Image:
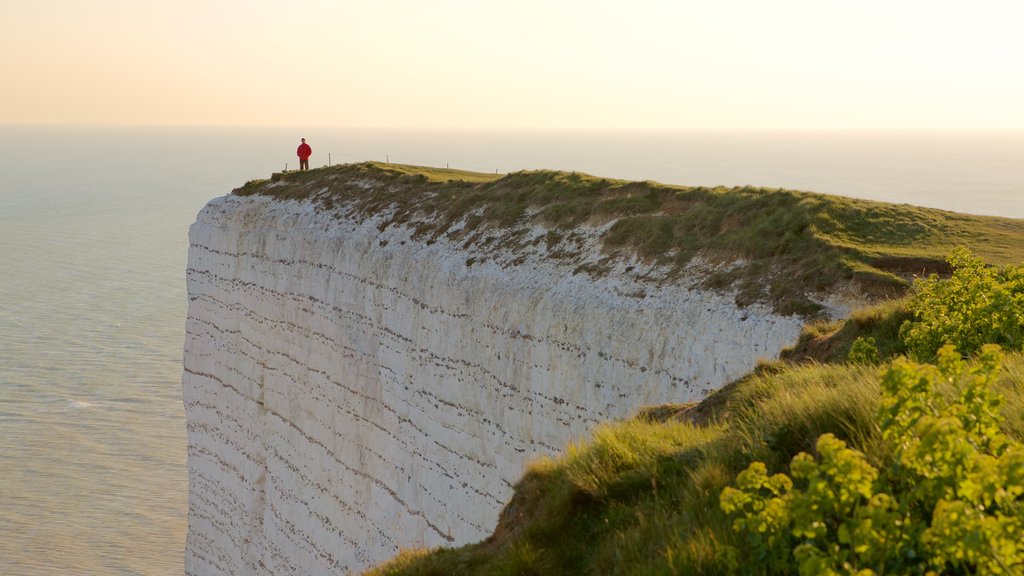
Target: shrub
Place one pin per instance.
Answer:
(977, 305)
(952, 499)
(863, 351)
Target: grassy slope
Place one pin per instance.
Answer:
(830, 341)
(775, 245)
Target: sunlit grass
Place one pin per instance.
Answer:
(830, 341)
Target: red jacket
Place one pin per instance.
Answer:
(304, 151)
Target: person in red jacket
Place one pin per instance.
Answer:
(304, 153)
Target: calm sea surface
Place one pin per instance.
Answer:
(93, 243)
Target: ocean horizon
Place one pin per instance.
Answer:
(971, 171)
(94, 224)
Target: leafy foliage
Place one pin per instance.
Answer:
(977, 305)
(951, 500)
(863, 351)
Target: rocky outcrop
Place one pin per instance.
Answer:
(352, 389)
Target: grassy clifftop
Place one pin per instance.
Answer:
(779, 246)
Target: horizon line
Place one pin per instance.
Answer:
(526, 129)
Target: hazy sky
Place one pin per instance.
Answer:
(523, 64)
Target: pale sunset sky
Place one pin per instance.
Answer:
(527, 64)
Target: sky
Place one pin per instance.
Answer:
(528, 64)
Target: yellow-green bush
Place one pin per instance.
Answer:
(951, 501)
(978, 305)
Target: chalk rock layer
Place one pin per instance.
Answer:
(351, 391)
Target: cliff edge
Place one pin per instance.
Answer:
(373, 352)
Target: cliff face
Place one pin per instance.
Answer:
(351, 390)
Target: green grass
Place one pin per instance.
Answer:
(641, 497)
(829, 341)
(770, 245)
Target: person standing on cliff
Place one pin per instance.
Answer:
(304, 153)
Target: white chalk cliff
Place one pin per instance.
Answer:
(351, 390)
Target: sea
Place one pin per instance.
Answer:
(93, 245)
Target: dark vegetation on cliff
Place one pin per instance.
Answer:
(778, 246)
(907, 467)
